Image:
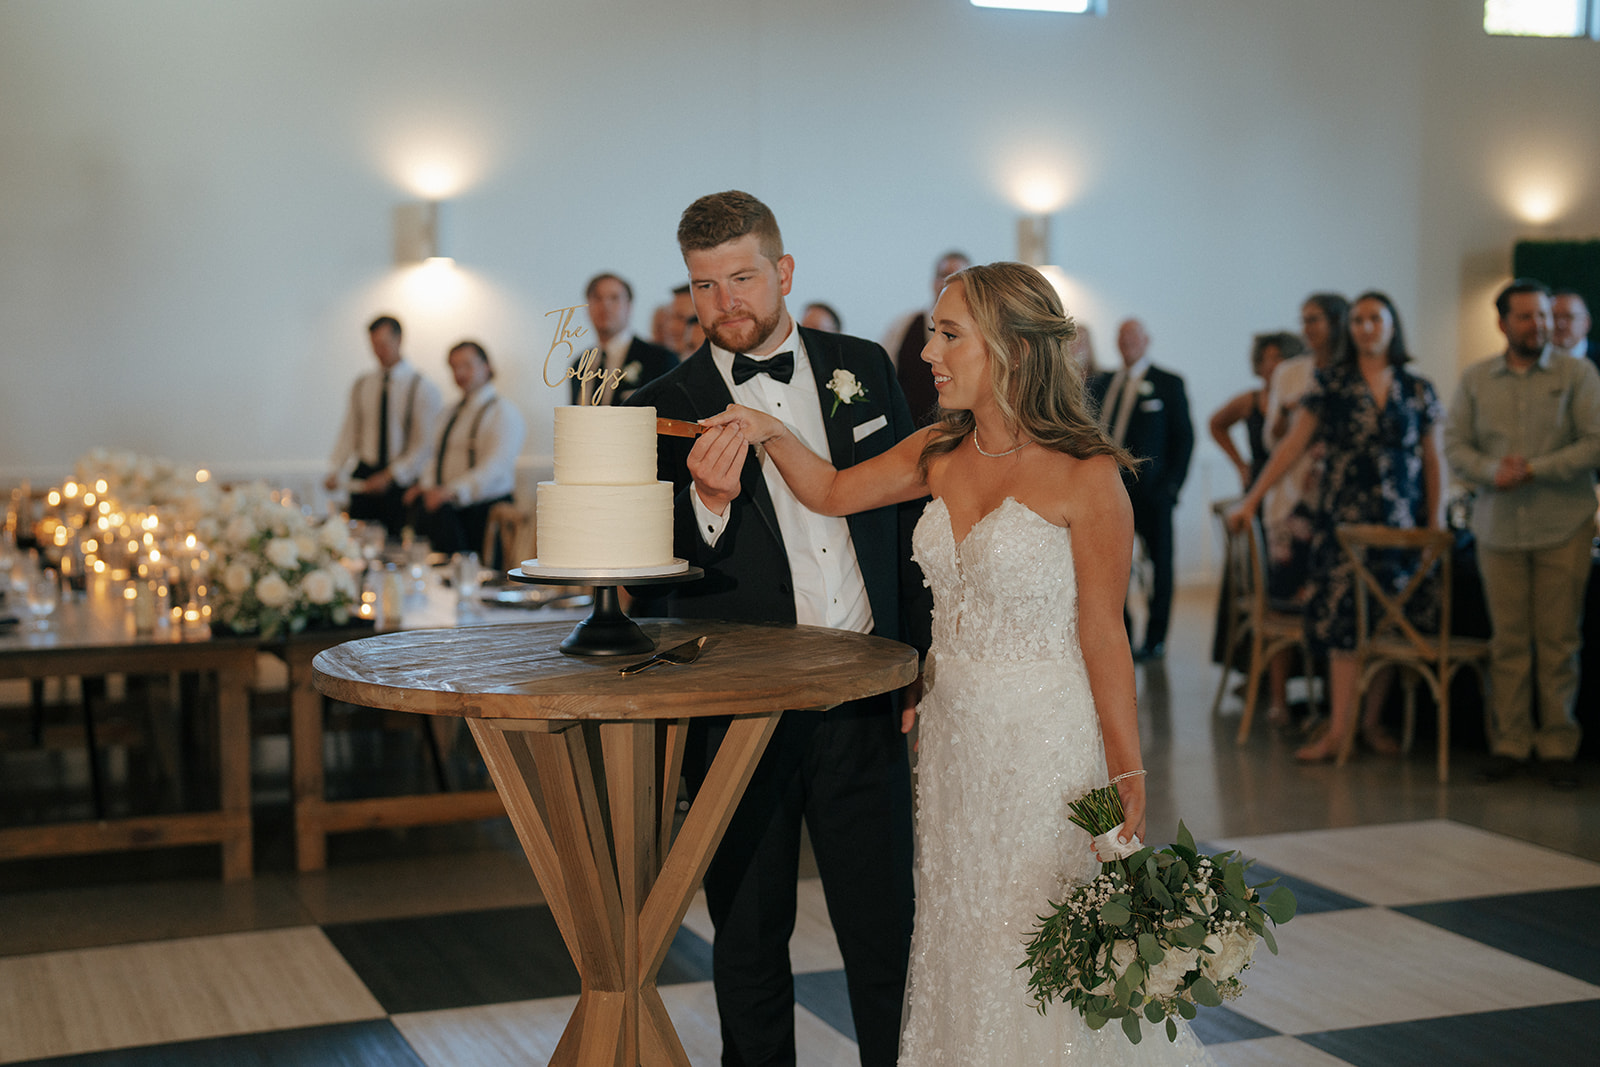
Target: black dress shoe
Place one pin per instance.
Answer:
(1155, 651)
(1499, 768)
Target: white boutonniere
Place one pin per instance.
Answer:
(631, 372)
(1147, 387)
(845, 388)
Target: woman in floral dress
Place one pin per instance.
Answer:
(1382, 431)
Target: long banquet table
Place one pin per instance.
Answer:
(94, 635)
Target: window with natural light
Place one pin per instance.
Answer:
(1537, 18)
(1070, 7)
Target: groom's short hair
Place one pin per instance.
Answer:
(722, 217)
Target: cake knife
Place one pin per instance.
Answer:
(680, 428)
(687, 652)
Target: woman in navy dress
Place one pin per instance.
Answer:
(1382, 428)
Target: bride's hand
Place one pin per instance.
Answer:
(1131, 790)
(754, 426)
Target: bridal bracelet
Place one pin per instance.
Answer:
(1127, 774)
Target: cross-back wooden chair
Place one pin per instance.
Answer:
(507, 537)
(1250, 621)
(1387, 635)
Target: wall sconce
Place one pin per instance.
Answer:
(1033, 239)
(418, 232)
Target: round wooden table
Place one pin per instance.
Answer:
(587, 762)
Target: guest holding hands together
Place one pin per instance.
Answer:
(1383, 430)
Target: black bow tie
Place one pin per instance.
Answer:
(780, 366)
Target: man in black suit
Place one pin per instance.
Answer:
(618, 362)
(769, 560)
(1146, 410)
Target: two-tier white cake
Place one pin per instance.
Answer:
(605, 511)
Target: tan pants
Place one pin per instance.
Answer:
(1535, 602)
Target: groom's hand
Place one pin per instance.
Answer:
(715, 462)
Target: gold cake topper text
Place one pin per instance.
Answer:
(587, 364)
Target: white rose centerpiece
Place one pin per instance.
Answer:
(1156, 934)
(272, 570)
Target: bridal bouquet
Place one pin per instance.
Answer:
(272, 570)
(1157, 933)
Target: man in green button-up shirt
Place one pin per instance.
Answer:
(1524, 431)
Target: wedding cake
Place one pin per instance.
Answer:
(605, 511)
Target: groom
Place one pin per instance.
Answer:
(769, 560)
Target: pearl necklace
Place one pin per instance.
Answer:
(997, 455)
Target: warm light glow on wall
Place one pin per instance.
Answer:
(1538, 195)
(435, 286)
(1038, 191)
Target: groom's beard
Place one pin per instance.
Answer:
(744, 335)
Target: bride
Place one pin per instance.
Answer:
(1029, 696)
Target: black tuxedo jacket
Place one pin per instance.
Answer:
(747, 572)
(1159, 432)
(653, 360)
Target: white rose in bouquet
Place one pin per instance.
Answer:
(283, 552)
(273, 591)
(319, 587)
(1166, 976)
(1230, 954)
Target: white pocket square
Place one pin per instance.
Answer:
(871, 426)
(1153, 404)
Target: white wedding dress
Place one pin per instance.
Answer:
(1008, 736)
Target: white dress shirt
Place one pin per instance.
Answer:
(828, 587)
(411, 421)
(478, 460)
(1123, 392)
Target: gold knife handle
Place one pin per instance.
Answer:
(643, 665)
(679, 428)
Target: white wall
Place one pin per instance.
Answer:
(195, 197)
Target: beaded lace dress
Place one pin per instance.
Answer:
(1008, 736)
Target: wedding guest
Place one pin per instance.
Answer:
(1146, 409)
(820, 316)
(1382, 429)
(662, 326)
(1267, 350)
(844, 772)
(690, 336)
(1081, 349)
(1524, 433)
(624, 361)
(475, 457)
(1570, 325)
(1286, 512)
(906, 337)
(383, 443)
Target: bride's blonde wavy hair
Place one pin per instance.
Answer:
(1037, 384)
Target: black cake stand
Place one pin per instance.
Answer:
(607, 631)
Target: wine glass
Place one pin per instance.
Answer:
(44, 594)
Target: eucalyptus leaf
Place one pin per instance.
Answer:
(1113, 913)
(1272, 942)
(1205, 993)
(1281, 905)
(1185, 838)
(1186, 1009)
(1130, 1026)
(1172, 1030)
(1095, 1021)
(1153, 1012)
(1150, 949)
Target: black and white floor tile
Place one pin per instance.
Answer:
(1416, 943)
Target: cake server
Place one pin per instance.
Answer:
(680, 428)
(687, 652)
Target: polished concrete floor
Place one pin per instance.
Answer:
(1439, 923)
